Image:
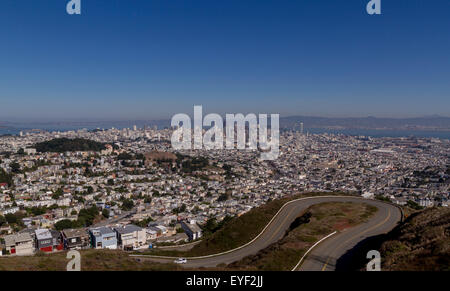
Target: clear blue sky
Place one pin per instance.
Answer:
(150, 59)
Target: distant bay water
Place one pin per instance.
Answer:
(383, 132)
(351, 132)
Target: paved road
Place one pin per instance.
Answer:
(113, 220)
(325, 255)
(322, 257)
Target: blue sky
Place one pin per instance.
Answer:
(150, 59)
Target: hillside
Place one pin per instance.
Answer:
(91, 260)
(239, 230)
(315, 223)
(60, 145)
(421, 243)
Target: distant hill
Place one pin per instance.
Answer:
(4, 125)
(61, 145)
(419, 123)
(435, 122)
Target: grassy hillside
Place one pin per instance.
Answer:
(91, 260)
(421, 243)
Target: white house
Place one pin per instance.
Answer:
(19, 244)
(131, 236)
(192, 230)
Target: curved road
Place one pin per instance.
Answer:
(323, 256)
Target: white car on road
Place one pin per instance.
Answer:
(180, 261)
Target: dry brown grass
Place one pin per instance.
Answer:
(91, 260)
(421, 243)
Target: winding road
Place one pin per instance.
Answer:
(324, 255)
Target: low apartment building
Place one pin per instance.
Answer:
(19, 244)
(103, 238)
(131, 236)
(44, 240)
(48, 240)
(192, 230)
(75, 239)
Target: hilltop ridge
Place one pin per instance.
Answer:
(421, 243)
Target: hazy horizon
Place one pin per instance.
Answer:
(168, 118)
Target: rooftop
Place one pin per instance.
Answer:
(102, 231)
(74, 233)
(128, 229)
(43, 234)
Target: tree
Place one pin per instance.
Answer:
(86, 216)
(53, 206)
(56, 196)
(6, 178)
(223, 197)
(210, 226)
(64, 224)
(11, 218)
(125, 156)
(15, 167)
(413, 205)
(37, 210)
(105, 213)
(180, 209)
(382, 198)
(15, 218)
(2, 220)
(61, 145)
(127, 204)
(58, 193)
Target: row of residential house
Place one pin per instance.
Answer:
(26, 243)
(128, 237)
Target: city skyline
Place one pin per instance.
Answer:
(153, 59)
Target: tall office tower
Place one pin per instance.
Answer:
(134, 127)
(301, 127)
